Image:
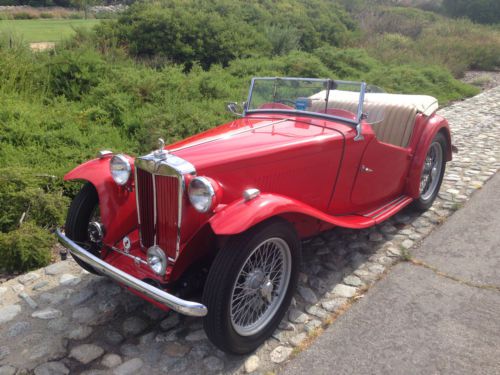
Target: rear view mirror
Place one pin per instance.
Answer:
(236, 108)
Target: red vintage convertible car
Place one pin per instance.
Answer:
(225, 210)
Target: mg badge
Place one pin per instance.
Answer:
(126, 244)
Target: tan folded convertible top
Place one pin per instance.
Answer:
(422, 103)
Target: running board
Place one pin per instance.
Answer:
(387, 210)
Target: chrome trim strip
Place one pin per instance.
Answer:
(175, 303)
(399, 201)
(379, 211)
(155, 214)
(382, 207)
(137, 208)
(182, 187)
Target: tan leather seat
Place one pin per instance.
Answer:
(392, 115)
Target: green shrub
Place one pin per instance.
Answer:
(46, 15)
(397, 20)
(75, 15)
(25, 248)
(482, 11)
(25, 195)
(283, 39)
(431, 80)
(24, 16)
(74, 73)
(192, 32)
(348, 63)
(455, 44)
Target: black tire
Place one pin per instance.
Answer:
(424, 203)
(78, 218)
(224, 273)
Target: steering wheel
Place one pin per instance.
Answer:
(286, 101)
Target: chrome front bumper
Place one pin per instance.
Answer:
(169, 300)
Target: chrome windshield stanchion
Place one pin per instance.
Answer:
(359, 128)
(175, 303)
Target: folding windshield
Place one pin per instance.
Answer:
(340, 100)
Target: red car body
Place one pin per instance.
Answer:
(225, 209)
(309, 170)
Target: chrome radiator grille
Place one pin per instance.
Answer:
(158, 210)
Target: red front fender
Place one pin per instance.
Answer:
(117, 204)
(242, 215)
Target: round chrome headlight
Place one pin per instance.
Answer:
(157, 260)
(201, 194)
(120, 169)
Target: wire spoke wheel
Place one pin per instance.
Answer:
(250, 285)
(260, 286)
(83, 223)
(431, 171)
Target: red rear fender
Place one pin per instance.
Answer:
(117, 204)
(434, 125)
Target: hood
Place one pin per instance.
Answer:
(252, 138)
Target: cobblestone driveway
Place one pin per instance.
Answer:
(61, 320)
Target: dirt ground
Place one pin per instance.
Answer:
(482, 79)
(42, 46)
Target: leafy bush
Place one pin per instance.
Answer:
(348, 63)
(25, 248)
(190, 32)
(395, 20)
(431, 80)
(482, 11)
(46, 15)
(74, 73)
(74, 16)
(28, 196)
(412, 36)
(23, 16)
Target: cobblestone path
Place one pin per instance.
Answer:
(61, 320)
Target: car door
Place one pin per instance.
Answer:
(381, 174)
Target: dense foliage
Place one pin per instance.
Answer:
(189, 31)
(62, 3)
(167, 69)
(409, 35)
(482, 11)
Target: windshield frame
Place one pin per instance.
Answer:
(359, 114)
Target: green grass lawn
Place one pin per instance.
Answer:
(44, 30)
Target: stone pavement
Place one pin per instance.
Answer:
(436, 315)
(60, 319)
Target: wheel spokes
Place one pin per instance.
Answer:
(431, 171)
(260, 286)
